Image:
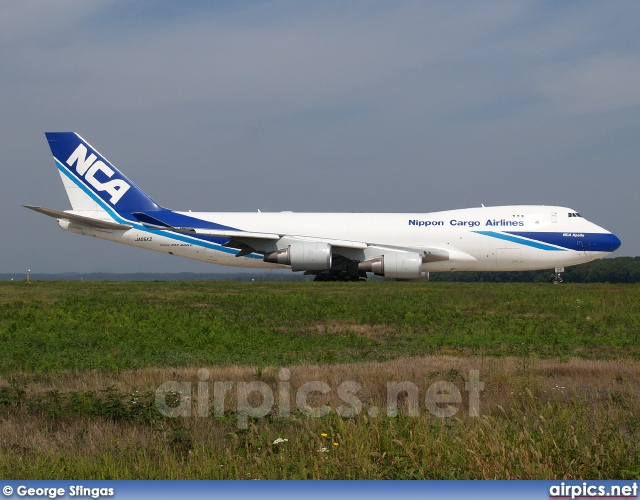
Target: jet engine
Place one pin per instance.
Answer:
(306, 255)
(399, 265)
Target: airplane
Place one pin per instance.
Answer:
(330, 246)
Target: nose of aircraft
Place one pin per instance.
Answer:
(615, 242)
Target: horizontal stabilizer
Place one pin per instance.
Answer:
(79, 219)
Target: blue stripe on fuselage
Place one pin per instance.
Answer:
(580, 242)
(522, 241)
(559, 241)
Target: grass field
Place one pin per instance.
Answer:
(81, 361)
(47, 327)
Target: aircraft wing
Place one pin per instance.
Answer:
(429, 254)
(250, 241)
(79, 219)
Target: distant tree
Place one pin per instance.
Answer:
(616, 270)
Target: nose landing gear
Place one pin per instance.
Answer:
(555, 277)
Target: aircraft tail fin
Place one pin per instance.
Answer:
(92, 183)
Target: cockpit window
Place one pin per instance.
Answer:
(574, 214)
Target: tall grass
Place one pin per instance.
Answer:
(578, 419)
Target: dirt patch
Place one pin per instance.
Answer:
(342, 327)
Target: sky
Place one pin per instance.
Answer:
(333, 106)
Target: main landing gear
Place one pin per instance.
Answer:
(342, 269)
(337, 277)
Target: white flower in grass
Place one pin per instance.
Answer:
(280, 440)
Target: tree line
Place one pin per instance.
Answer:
(615, 270)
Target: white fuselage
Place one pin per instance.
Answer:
(475, 239)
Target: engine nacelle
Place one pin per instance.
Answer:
(399, 265)
(307, 255)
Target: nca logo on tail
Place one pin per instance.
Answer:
(87, 167)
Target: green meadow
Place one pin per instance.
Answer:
(80, 363)
(56, 326)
